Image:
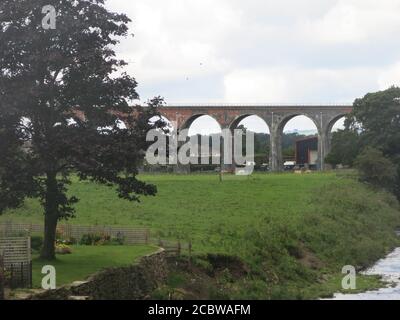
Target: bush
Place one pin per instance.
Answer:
(375, 169)
(90, 239)
(36, 242)
(345, 148)
(93, 239)
(119, 240)
(63, 249)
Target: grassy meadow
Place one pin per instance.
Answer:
(294, 231)
(194, 206)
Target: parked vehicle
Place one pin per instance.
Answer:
(289, 165)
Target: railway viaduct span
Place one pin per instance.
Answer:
(275, 116)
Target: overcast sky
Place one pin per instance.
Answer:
(261, 51)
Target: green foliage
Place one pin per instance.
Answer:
(36, 242)
(374, 122)
(345, 146)
(377, 115)
(49, 77)
(288, 152)
(375, 169)
(89, 239)
(62, 248)
(99, 239)
(351, 224)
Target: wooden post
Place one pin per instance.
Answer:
(8, 228)
(147, 236)
(22, 279)
(179, 247)
(30, 275)
(12, 276)
(190, 252)
(2, 277)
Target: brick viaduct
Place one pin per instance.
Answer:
(276, 117)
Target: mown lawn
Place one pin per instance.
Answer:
(86, 260)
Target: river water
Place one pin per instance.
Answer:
(389, 269)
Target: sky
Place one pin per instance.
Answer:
(261, 51)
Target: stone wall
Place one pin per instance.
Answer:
(133, 282)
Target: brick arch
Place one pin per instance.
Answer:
(331, 122)
(328, 131)
(279, 123)
(189, 121)
(286, 118)
(235, 122)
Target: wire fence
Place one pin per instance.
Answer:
(74, 233)
(15, 262)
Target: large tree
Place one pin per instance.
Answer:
(63, 93)
(377, 117)
(345, 147)
(374, 122)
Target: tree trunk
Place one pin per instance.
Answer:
(50, 218)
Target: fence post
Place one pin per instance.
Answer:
(146, 236)
(22, 282)
(2, 276)
(8, 228)
(179, 247)
(30, 275)
(12, 278)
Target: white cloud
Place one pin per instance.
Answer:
(176, 39)
(257, 86)
(354, 21)
(298, 85)
(256, 51)
(390, 77)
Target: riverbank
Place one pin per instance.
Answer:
(388, 269)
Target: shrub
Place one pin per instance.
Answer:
(116, 241)
(93, 239)
(63, 249)
(89, 239)
(36, 242)
(375, 169)
(119, 239)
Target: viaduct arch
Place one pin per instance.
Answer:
(276, 117)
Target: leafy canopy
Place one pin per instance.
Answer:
(63, 93)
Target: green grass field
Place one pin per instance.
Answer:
(277, 223)
(86, 260)
(195, 206)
